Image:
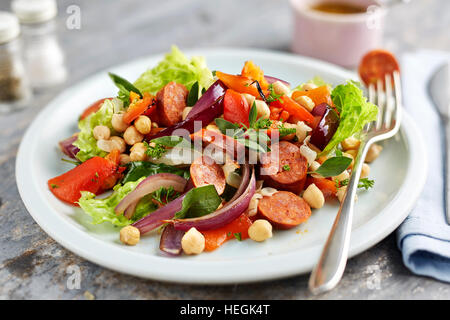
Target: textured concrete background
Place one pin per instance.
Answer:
(32, 265)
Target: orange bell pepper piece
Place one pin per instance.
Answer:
(318, 95)
(137, 107)
(327, 186)
(237, 228)
(239, 83)
(293, 108)
(252, 71)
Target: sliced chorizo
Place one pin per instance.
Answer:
(205, 171)
(284, 209)
(170, 102)
(284, 167)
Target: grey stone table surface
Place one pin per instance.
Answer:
(34, 266)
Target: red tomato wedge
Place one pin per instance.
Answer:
(90, 176)
(318, 95)
(327, 186)
(235, 229)
(375, 65)
(137, 107)
(92, 108)
(293, 109)
(235, 107)
(252, 71)
(238, 83)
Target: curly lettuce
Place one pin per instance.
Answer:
(86, 141)
(175, 67)
(355, 112)
(102, 209)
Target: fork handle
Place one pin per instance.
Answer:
(333, 259)
(447, 170)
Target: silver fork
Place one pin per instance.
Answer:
(328, 271)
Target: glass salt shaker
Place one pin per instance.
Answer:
(15, 91)
(44, 58)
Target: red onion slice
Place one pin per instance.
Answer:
(156, 218)
(170, 241)
(270, 79)
(68, 148)
(149, 185)
(223, 216)
(205, 117)
(214, 92)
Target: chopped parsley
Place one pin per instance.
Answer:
(54, 186)
(155, 151)
(238, 236)
(286, 167)
(272, 96)
(365, 183)
(285, 131)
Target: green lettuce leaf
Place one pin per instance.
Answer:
(175, 67)
(355, 111)
(138, 169)
(102, 209)
(86, 141)
(318, 81)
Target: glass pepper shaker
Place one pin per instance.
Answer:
(44, 58)
(15, 90)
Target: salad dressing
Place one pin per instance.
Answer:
(338, 8)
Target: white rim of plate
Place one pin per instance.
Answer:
(226, 272)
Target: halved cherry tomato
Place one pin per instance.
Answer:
(293, 108)
(252, 71)
(238, 83)
(275, 113)
(327, 186)
(235, 229)
(90, 176)
(318, 95)
(137, 107)
(235, 107)
(284, 115)
(92, 108)
(375, 65)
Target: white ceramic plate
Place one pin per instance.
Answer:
(399, 174)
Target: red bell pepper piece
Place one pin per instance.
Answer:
(235, 107)
(235, 229)
(92, 175)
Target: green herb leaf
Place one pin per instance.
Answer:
(333, 166)
(262, 123)
(225, 125)
(193, 94)
(272, 95)
(155, 151)
(285, 131)
(286, 167)
(199, 202)
(252, 115)
(124, 88)
(168, 141)
(366, 183)
(139, 169)
(238, 236)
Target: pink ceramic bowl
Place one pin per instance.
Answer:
(338, 38)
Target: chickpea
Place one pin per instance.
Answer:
(138, 152)
(352, 152)
(101, 133)
(373, 153)
(262, 110)
(260, 230)
(250, 99)
(306, 102)
(132, 136)
(280, 88)
(130, 235)
(268, 192)
(350, 144)
(365, 171)
(308, 86)
(111, 144)
(193, 242)
(185, 112)
(124, 159)
(117, 122)
(343, 176)
(119, 143)
(143, 124)
(154, 124)
(314, 197)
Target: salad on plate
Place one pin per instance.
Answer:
(199, 157)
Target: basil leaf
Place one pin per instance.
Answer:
(122, 83)
(251, 144)
(193, 95)
(333, 166)
(225, 125)
(169, 141)
(252, 115)
(139, 169)
(199, 202)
